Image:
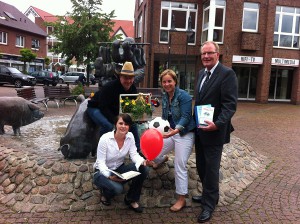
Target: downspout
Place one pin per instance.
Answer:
(151, 42)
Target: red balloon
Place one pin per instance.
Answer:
(151, 143)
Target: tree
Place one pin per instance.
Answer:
(47, 61)
(79, 32)
(27, 56)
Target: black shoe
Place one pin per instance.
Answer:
(105, 202)
(197, 199)
(138, 209)
(204, 216)
(126, 201)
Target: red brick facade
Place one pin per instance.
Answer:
(11, 40)
(236, 42)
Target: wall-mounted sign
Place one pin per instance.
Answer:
(247, 59)
(285, 62)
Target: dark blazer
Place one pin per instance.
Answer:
(221, 92)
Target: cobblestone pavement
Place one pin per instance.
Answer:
(273, 197)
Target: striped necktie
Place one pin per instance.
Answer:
(207, 76)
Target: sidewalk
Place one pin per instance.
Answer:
(274, 197)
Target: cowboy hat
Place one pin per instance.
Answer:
(127, 69)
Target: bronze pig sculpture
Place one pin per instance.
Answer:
(17, 112)
(81, 137)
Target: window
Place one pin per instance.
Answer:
(213, 21)
(250, 17)
(286, 30)
(35, 43)
(20, 41)
(49, 30)
(140, 27)
(3, 37)
(180, 16)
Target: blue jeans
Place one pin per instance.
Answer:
(100, 120)
(111, 188)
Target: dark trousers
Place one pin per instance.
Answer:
(208, 159)
(111, 188)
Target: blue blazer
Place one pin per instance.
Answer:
(221, 92)
(181, 108)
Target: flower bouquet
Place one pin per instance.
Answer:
(137, 105)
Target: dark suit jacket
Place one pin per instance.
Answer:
(221, 92)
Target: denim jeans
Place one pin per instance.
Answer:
(100, 120)
(111, 188)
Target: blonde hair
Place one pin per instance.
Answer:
(169, 72)
(211, 42)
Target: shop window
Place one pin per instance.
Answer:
(280, 84)
(247, 80)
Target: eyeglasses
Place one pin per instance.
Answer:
(208, 53)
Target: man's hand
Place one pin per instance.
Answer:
(210, 126)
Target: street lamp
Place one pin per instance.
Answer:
(170, 38)
(189, 33)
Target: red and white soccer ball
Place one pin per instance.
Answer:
(163, 126)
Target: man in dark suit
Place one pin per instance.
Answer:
(217, 86)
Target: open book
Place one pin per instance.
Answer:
(126, 176)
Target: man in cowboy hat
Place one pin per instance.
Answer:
(103, 108)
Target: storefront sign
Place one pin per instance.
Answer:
(285, 62)
(247, 59)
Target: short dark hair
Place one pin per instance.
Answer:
(126, 118)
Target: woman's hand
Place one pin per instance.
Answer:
(171, 133)
(148, 163)
(115, 178)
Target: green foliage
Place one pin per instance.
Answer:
(77, 90)
(136, 107)
(47, 61)
(27, 56)
(80, 31)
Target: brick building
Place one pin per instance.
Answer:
(18, 32)
(259, 39)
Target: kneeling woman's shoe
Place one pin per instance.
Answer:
(105, 201)
(130, 204)
(138, 209)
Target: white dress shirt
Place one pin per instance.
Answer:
(109, 156)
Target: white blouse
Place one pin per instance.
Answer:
(109, 156)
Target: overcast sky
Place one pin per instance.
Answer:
(124, 9)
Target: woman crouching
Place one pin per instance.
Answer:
(112, 149)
